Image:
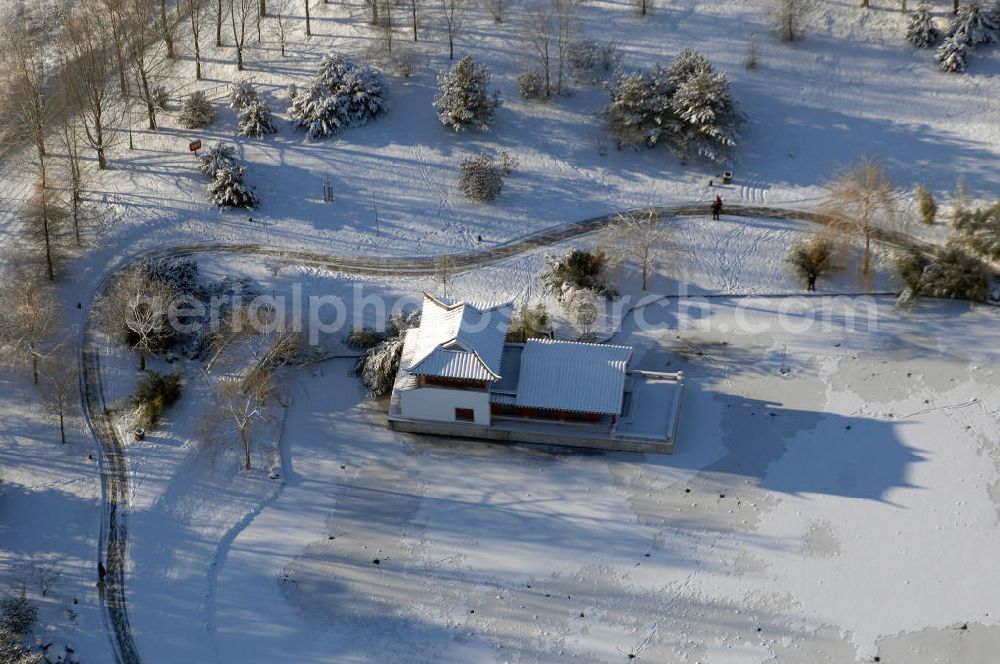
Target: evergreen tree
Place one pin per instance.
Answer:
(255, 120)
(921, 31)
(464, 100)
(953, 55)
(686, 64)
(973, 26)
(196, 111)
(688, 107)
(709, 115)
(341, 95)
(482, 178)
(227, 187)
(640, 108)
(241, 94)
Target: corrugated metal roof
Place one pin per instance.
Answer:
(461, 340)
(572, 376)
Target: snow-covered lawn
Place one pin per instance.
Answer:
(830, 490)
(831, 487)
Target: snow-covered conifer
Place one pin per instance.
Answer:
(688, 106)
(464, 100)
(228, 186)
(686, 64)
(482, 178)
(530, 85)
(953, 55)
(974, 26)
(218, 156)
(640, 110)
(710, 119)
(196, 111)
(921, 31)
(342, 95)
(255, 120)
(241, 94)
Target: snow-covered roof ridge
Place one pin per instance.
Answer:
(573, 376)
(461, 340)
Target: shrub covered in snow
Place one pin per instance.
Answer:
(255, 120)
(953, 55)
(592, 61)
(378, 366)
(953, 274)
(530, 86)
(528, 323)
(973, 25)
(180, 275)
(18, 614)
(482, 176)
(463, 100)
(979, 229)
(242, 93)
(341, 95)
(196, 111)
(921, 31)
(576, 269)
(228, 187)
(154, 393)
(688, 107)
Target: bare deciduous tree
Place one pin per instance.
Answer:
(246, 395)
(549, 29)
(89, 66)
(196, 14)
(69, 137)
(308, 22)
(60, 389)
(44, 220)
(220, 15)
(240, 13)
(860, 200)
(28, 318)
(637, 237)
(790, 15)
(167, 28)
(135, 310)
(143, 54)
(29, 88)
(281, 25)
(453, 12)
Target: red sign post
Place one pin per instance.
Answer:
(194, 146)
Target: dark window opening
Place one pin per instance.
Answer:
(465, 415)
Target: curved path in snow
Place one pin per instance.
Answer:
(113, 540)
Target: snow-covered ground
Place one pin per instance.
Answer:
(831, 488)
(832, 494)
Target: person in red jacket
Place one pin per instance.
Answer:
(717, 208)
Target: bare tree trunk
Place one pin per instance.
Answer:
(413, 10)
(168, 37)
(218, 23)
(62, 427)
(308, 26)
(246, 448)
